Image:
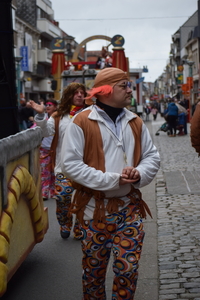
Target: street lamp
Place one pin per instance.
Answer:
(190, 64)
(69, 46)
(85, 68)
(18, 60)
(189, 82)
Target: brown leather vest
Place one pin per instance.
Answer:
(94, 157)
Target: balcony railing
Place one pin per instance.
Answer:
(48, 28)
(45, 55)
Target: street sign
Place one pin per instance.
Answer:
(141, 79)
(24, 61)
(117, 41)
(145, 69)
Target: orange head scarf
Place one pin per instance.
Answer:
(104, 82)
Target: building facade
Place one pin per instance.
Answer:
(35, 29)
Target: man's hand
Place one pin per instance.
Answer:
(129, 175)
(39, 108)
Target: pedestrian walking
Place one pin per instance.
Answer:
(71, 103)
(108, 153)
(154, 112)
(182, 118)
(47, 174)
(171, 114)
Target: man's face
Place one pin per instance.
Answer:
(78, 98)
(122, 94)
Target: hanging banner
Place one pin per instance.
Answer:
(119, 59)
(29, 44)
(24, 61)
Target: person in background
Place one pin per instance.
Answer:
(182, 118)
(181, 123)
(147, 111)
(195, 104)
(172, 116)
(98, 63)
(108, 153)
(42, 101)
(108, 61)
(26, 114)
(47, 174)
(71, 102)
(195, 129)
(185, 103)
(154, 112)
(22, 123)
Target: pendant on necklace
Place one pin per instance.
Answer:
(125, 158)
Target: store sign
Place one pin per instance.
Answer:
(117, 40)
(57, 44)
(180, 78)
(155, 97)
(180, 68)
(24, 61)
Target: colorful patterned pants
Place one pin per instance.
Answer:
(63, 194)
(47, 177)
(123, 234)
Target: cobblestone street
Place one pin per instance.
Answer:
(178, 216)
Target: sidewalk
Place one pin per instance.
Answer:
(178, 216)
(170, 261)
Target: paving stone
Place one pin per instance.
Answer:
(189, 296)
(169, 281)
(195, 280)
(188, 285)
(186, 266)
(171, 286)
(195, 290)
(171, 291)
(169, 275)
(191, 275)
(167, 297)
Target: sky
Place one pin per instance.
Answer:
(146, 25)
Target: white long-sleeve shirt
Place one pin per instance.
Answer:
(48, 128)
(117, 140)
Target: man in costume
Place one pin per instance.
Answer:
(108, 153)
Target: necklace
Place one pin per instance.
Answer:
(123, 146)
